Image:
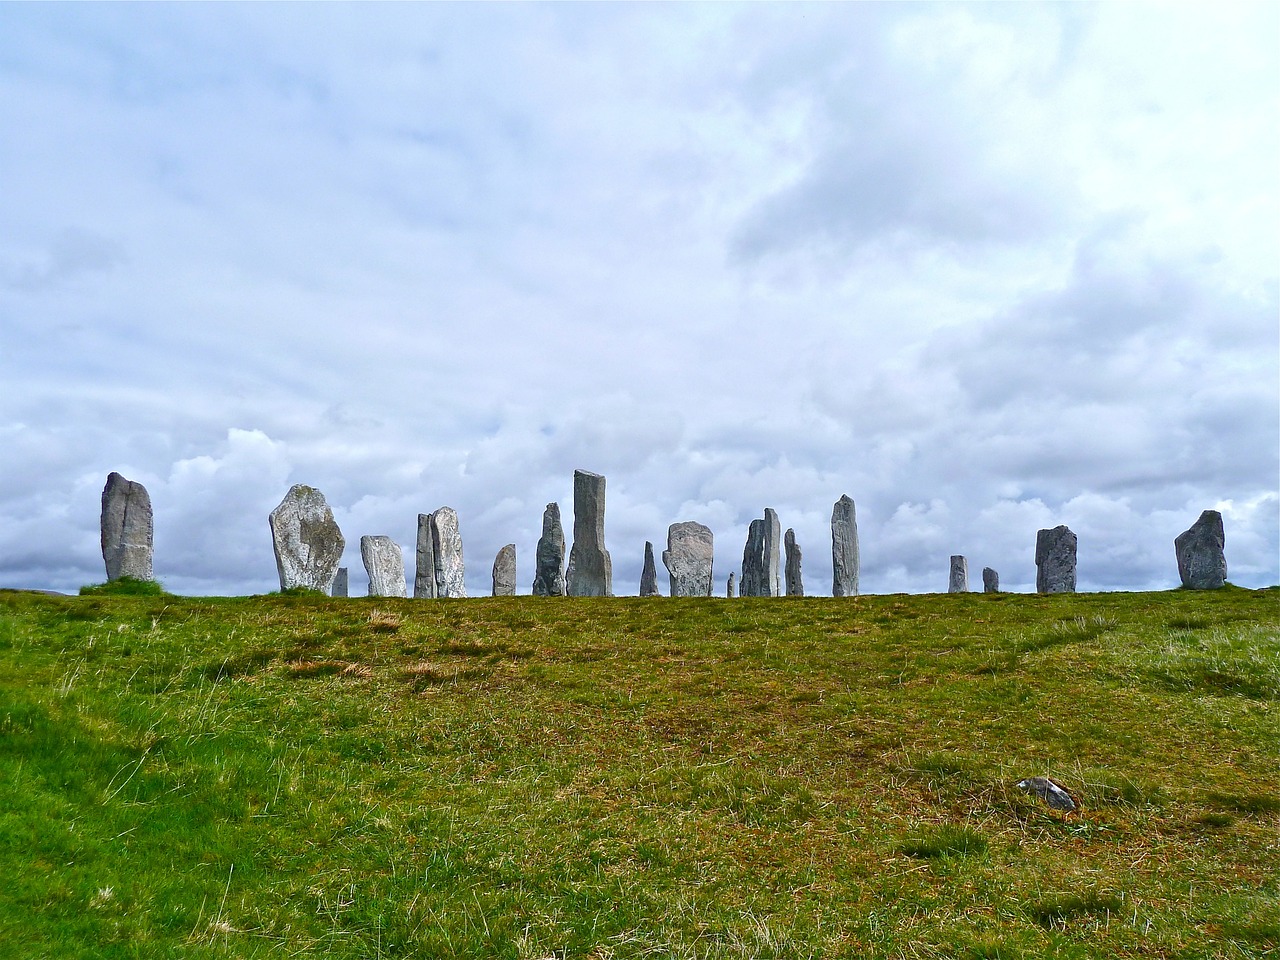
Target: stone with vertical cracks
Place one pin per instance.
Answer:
(649, 574)
(446, 548)
(688, 558)
(504, 572)
(341, 584)
(1056, 560)
(958, 581)
(548, 575)
(990, 581)
(590, 571)
(760, 557)
(795, 585)
(1202, 564)
(127, 529)
(844, 548)
(424, 575)
(306, 539)
(384, 563)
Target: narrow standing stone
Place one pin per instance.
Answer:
(795, 585)
(127, 529)
(1056, 561)
(590, 568)
(760, 558)
(688, 558)
(385, 565)
(730, 588)
(649, 574)
(424, 575)
(959, 580)
(548, 576)
(1202, 564)
(446, 545)
(340, 584)
(844, 548)
(990, 581)
(504, 572)
(307, 542)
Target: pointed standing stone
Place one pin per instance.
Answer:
(126, 528)
(649, 574)
(688, 559)
(504, 572)
(590, 568)
(548, 577)
(307, 542)
(1056, 560)
(1202, 565)
(424, 575)
(760, 558)
(385, 565)
(844, 548)
(446, 546)
(990, 581)
(959, 579)
(340, 584)
(795, 585)
(730, 588)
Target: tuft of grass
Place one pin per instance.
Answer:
(1059, 910)
(124, 587)
(945, 841)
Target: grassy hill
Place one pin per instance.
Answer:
(528, 777)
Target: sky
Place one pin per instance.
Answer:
(984, 268)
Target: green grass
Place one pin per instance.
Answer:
(124, 587)
(294, 776)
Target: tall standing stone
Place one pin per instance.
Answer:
(844, 548)
(990, 581)
(649, 574)
(760, 557)
(795, 585)
(590, 568)
(306, 539)
(1056, 560)
(384, 563)
(958, 582)
(504, 572)
(424, 575)
(731, 587)
(127, 528)
(446, 546)
(688, 558)
(341, 584)
(1202, 564)
(548, 577)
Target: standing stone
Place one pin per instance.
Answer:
(795, 586)
(341, 585)
(959, 580)
(760, 558)
(844, 548)
(990, 581)
(127, 528)
(504, 572)
(306, 540)
(688, 559)
(385, 565)
(548, 577)
(590, 568)
(1056, 561)
(424, 575)
(649, 574)
(1202, 565)
(731, 588)
(446, 547)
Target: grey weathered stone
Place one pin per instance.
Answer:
(688, 558)
(990, 581)
(1202, 565)
(590, 571)
(306, 540)
(504, 572)
(760, 557)
(341, 584)
(1056, 560)
(844, 548)
(730, 588)
(424, 574)
(446, 547)
(127, 529)
(958, 582)
(795, 585)
(548, 577)
(649, 574)
(384, 563)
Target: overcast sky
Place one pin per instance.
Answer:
(985, 269)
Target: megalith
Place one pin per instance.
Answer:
(1202, 564)
(446, 547)
(731, 587)
(504, 572)
(127, 529)
(424, 574)
(590, 571)
(1056, 560)
(384, 563)
(844, 548)
(306, 539)
(649, 573)
(990, 581)
(548, 575)
(760, 557)
(341, 584)
(688, 558)
(958, 582)
(795, 585)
